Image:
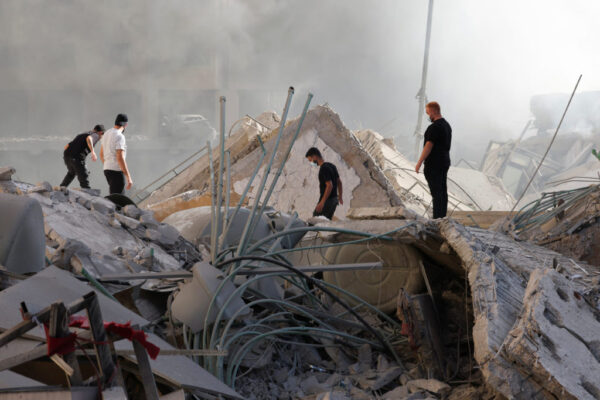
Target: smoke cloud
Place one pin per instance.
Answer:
(68, 65)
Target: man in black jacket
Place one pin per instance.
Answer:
(436, 155)
(76, 152)
(330, 184)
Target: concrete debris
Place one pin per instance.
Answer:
(560, 328)
(567, 222)
(570, 156)
(468, 189)
(500, 271)
(22, 244)
(185, 201)
(381, 302)
(41, 187)
(241, 142)
(430, 385)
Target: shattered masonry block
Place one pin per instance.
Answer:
(430, 385)
(41, 187)
(6, 173)
(43, 200)
(557, 328)
(152, 235)
(91, 192)
(132, 211)
(168, 234)
(62, 256)
(103, 206)
(22, 241)
(127, 222)
(147, 218)
(114, 223)
(59, 196)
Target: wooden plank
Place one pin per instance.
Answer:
(59, 327)
(105, 361)
(40, 317)
(145, 370)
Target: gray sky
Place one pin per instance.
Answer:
(362, 57)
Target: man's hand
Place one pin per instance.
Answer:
(418, 167)
(94, 158)
(129, 184)
(341, 201)
(319, 207)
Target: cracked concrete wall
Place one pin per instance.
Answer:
(468, 189)
(298, 187)
(364, 182)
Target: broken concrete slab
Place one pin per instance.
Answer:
(241, 142)
(128, 222)
(185, 201)
(132, 211)
(103, 206)
(22, 242)
(557, 328)
(41, 187)
(498, 270)
(401, 392)
(468, 189)
(297, 189)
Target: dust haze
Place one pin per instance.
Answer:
(68, 65)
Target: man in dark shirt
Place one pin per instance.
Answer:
(76, 152)
(330, 184)
(436, 155)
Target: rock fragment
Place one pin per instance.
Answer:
(6, 173)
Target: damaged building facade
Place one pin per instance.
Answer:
(242, 293)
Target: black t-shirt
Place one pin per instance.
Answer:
(328, 172)
(440, 133)
(78, 147)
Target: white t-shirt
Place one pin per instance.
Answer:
(113, 140)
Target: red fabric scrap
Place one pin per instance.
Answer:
(63, 345)
(123, 330)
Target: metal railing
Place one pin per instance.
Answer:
(147, 190)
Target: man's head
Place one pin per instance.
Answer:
(314, 156)
(433, 111)
(99, 129)
(121, 120)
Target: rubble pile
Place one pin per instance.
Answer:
(468, 189)
(261, 302)
(242, 141)
(566, 221)
(87, 232)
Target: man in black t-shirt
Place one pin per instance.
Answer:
(76, 152)
(436, 155)
(330, 184)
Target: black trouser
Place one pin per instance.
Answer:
(116, 181)
(75, 166)
(328, 209)
(436, 179)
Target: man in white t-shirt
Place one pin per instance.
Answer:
(113, 151)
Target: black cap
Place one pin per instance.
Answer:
(99, 128)
(121, 119)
